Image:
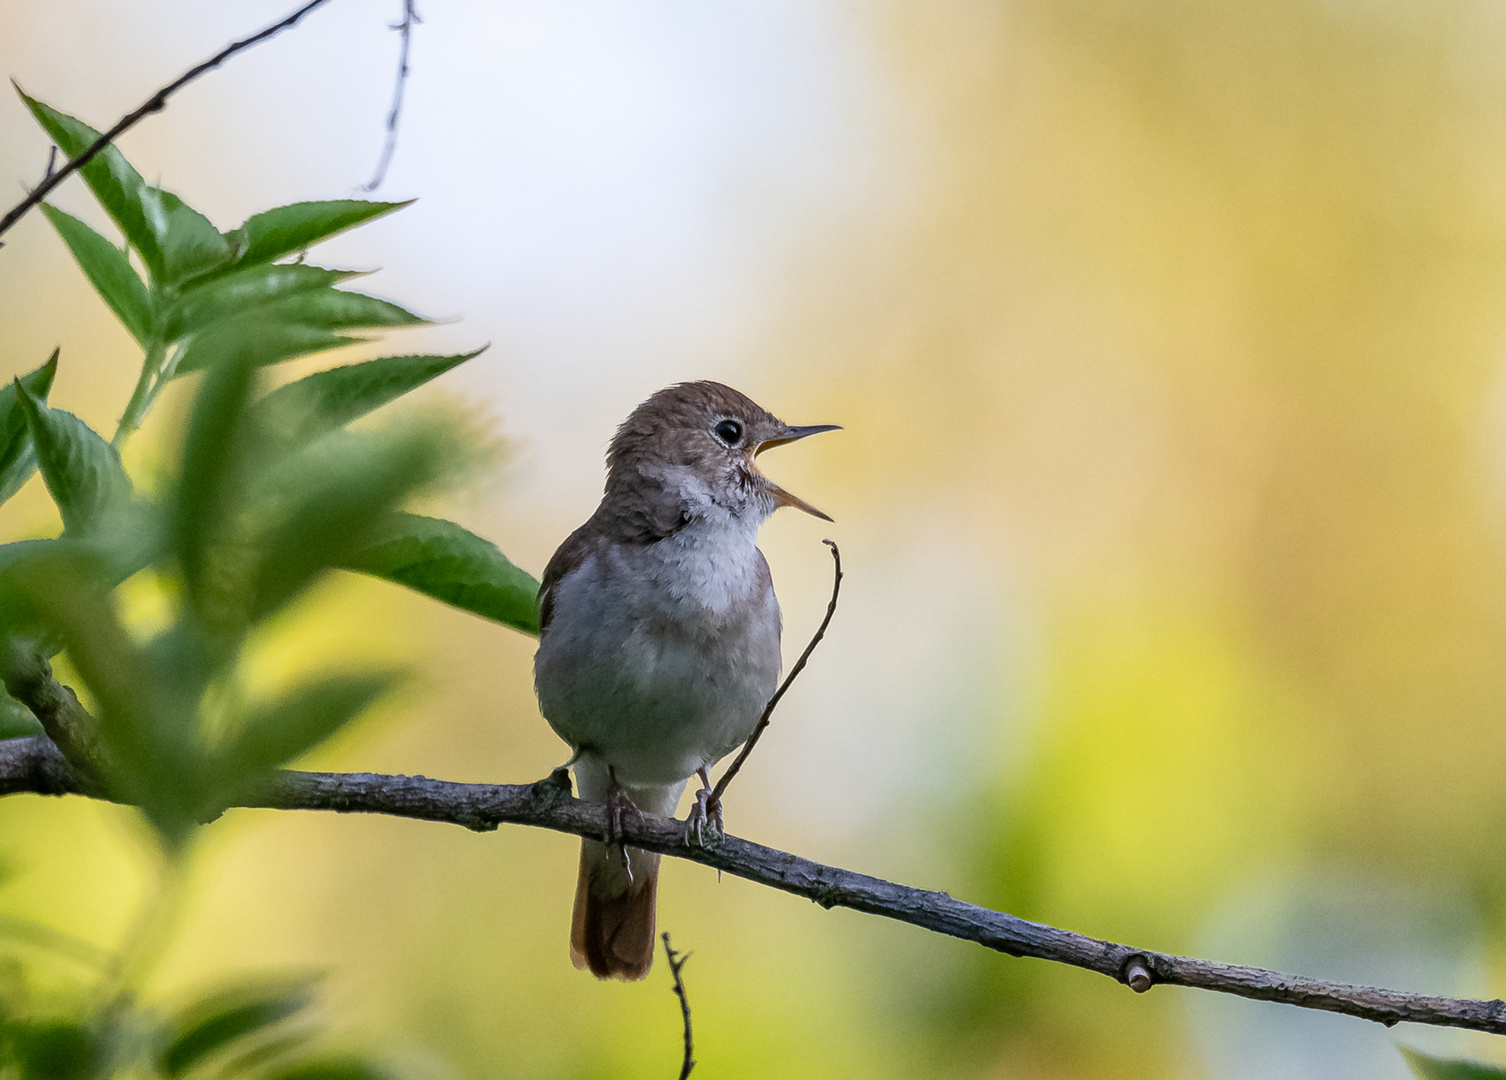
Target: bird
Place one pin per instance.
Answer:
(659, 639)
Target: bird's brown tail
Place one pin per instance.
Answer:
(612, 931)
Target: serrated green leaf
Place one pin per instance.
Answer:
(118, 187)
(215, 1024)
(286, 229)
(190, 244)
(338, 309)
(327, 400)
(82, 471)
(259, 341)
(272, 736)
(108, 270)
(441, 559)
(1432, 1068)
(235, 293)
(18, 459)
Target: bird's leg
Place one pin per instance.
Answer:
(703, 813)
(617, 802)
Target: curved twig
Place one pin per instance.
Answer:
(768, 710)
(389, 141)
(34, 764)
(676, 962)
(153, 104)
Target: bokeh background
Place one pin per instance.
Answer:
(1169, 339)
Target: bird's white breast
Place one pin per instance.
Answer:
(660, 657)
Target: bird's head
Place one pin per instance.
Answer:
(698, 441)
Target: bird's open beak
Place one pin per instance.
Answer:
(794, 434)
(791, 434)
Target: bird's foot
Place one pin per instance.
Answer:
(618, 803)
(704, 816)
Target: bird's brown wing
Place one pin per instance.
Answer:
(648, 519)
(569, 555)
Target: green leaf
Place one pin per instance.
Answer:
(190, 244)
(58, 1049)
(233, 294)
(148, 737)
(118, 187)
(286, 229)
(440, 559)
(16, 719)
(1431, 1068)
(257, 341)
(213, 455)
(271, 737)
(216, 1023)
(327, 400)
(82, 471)
(330, 1068)
(338, 309)
(18, 458)
(108, 270)
(333, 495)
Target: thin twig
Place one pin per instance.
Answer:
(35, 765)
(52, 161)
(153, 104)
(676, 962)
(389, 145)
(768, 710)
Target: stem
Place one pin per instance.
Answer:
(143, 395)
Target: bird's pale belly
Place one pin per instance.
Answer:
(654, 692)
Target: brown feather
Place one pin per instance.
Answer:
(612, 931)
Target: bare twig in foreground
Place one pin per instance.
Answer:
(153, 104)
(389, 144)
(35, 765)
(768, 710)
(676, 962)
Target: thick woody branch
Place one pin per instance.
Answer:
(34, 765)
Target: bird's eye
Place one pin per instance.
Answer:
(729, 431)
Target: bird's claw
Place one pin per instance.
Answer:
(704, 813)
(617, 803)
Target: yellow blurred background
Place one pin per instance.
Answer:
(1168, 337)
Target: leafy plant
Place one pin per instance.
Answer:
(271, 491)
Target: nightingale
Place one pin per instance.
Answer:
(659, 638)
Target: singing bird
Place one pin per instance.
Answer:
(659, 640)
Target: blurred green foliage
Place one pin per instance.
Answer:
(270, 492)
(1432, 1068)
(263, 1028)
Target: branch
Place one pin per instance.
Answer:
(768, 710)
(27, 677)
(389, 144)
(156, 103)
(34, 765)
(676, 962)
